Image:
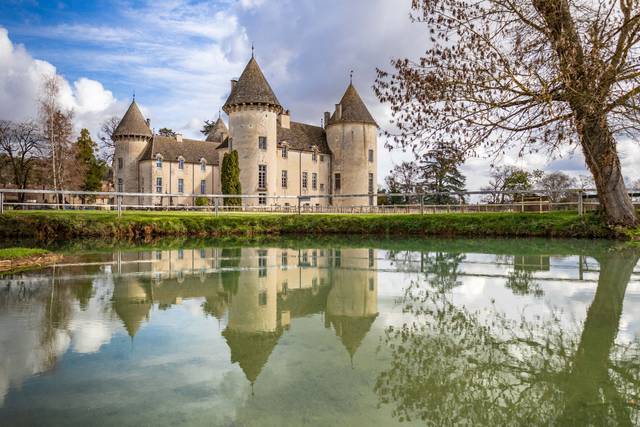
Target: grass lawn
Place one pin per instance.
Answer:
(144, 224)
(17, 253)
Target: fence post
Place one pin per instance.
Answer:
(421, 204)
(119, 203)
(215, 204)
(1, 203)
(299, 206)
(580, 203)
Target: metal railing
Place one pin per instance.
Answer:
(541, 201)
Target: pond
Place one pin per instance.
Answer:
(326, 332)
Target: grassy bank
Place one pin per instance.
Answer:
(15, 259)
(8, 254)
(44, 225)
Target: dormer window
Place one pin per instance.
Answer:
(285, 151)
(203, 165)
(159, 161)
(314, 153)
(181, 163)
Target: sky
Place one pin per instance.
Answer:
(178, 57)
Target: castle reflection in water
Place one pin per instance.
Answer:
(260, 291)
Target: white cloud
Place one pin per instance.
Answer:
(21, 78)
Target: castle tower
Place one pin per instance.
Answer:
(131, 137)
(352, 135)
(253, 111)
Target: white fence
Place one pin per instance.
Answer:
(540, 201)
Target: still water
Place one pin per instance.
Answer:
(357, 333)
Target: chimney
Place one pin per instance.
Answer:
(234, 82)
(327, 117)
(285, 120)
(148, 123)
(178, 137)
(338, 111)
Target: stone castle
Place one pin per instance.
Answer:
(277, 157)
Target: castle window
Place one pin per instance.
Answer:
(203, 165)
(284, 260)
(203, 253)
(314, 181)
(305, 179)
(370, 183)
(321, 157)
(262, 198)
(180, 253)
(262, 263)
(180, 185)
(120, 163)
(262, 298)
(262, 142)
(159, 161)
(262, 177)
(285, 152)
(321, 187)
(371, 258)
(314, 156)
(180, 163)
(203, 186)
(370, 156)
(158, 185)
(284, 179)
(337, 182)
(120, 185)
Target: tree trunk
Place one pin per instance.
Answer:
(600, 152)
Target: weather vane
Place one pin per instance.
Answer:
(252, 49)
(351, 77)
(134, 94)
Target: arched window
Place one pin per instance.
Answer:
(180, 162)
(159, 161)
(203, 165)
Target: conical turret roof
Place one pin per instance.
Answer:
(133, 123)
(353, 109)
(252, 88)
(251, 350)
(218, 132)
(351, 330)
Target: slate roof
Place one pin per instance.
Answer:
(353, 109)
(302, 137)
(132, 123)
(219, 131)
(192, 150)
(252, 88)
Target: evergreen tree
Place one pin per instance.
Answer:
(231, 178)
(92, 168)
(441, 174)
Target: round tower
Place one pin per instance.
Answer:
(352, 135)
(253, 111)
(131, 138)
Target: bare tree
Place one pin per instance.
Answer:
(403, 178)
(556, 185)
(107, 144)
(21, 144)
(57, 129)
(531, 74)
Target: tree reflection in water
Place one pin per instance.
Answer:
(453, 366)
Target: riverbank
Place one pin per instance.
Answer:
(12, 259)
(47, 225)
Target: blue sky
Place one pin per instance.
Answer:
(179, 55)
